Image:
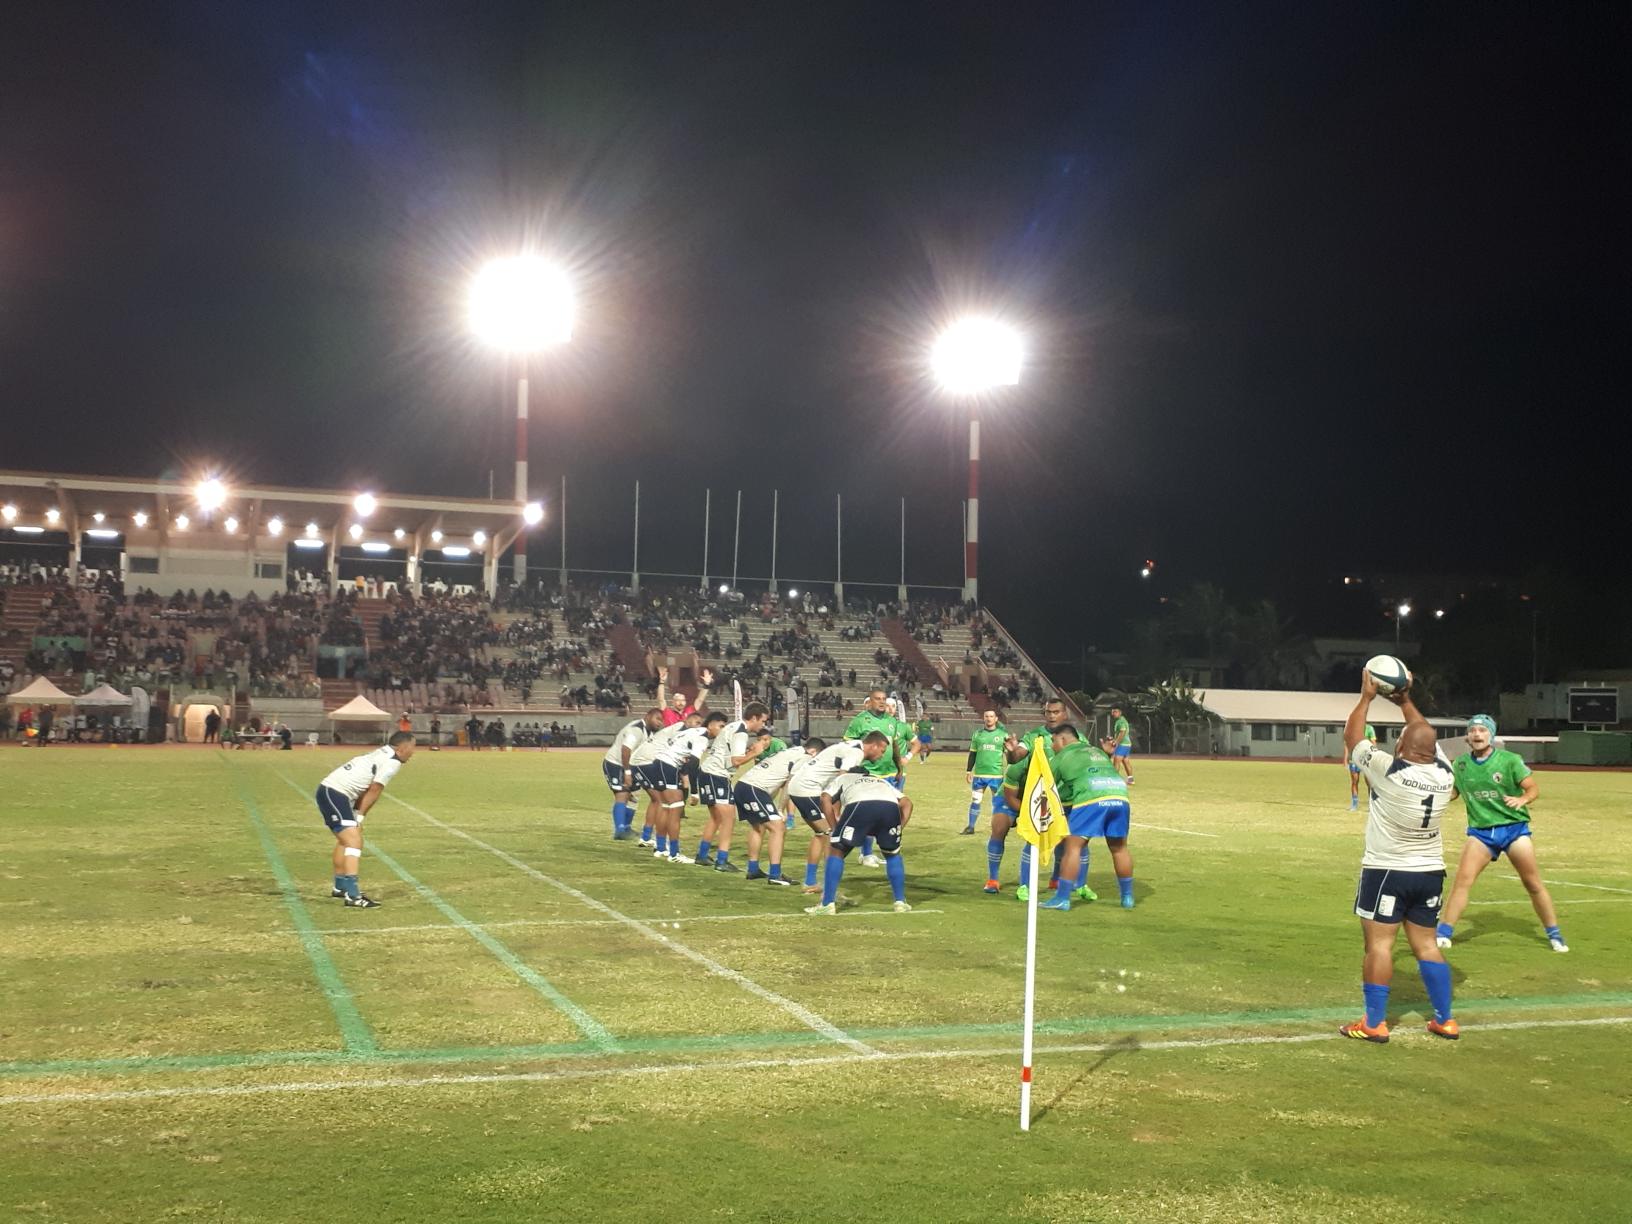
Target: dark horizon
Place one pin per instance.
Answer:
(1305, 292)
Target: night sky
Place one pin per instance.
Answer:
(1306, 288)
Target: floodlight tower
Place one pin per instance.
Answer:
(520, 305)
(972, 358)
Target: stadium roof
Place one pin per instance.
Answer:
(78, 498)
(1276, 705)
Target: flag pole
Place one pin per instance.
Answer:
(1031, 993)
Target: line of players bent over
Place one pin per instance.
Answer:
(850, 795)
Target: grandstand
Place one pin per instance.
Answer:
(288, 603)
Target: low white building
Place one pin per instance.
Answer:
(1274, 723)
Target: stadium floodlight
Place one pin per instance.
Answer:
(210, 494)
(1439, 613)
(139, 518)
(398, 534)
(274, 526)
(29, 530)
(231, 524)
(478, 538)
(52, 515)
(975, 355)
(182, 522)
(456, 550)
(102, 533)
(364, 504)
(792, 593)
(521, 304)
(1403, 610)
(99, 517)
(308, 544)
(1144, 571)
(532, 513)
(311, 530)
(376, 546)
(436, 537)
(355, 531)
(8, 512)
(725, 588)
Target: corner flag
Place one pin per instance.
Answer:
(1042, 823)
(1042, 820)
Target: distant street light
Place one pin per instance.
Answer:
(971, 357)
(521, 305)
(1400, 613)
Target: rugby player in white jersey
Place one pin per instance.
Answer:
(620, 774)
(1402, 874)
(673, 758)
(733, 746)
(805, 788)
(648, 774)
(859, 806)
(755, 795)
(345, 797)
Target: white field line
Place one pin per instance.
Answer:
(1141, 824)
(591, 1028)
(1571, 904)
(744, 1064)
(675, 921)
(1599, 887)
(798, 1011)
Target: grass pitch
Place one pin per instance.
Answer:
(544, 1024)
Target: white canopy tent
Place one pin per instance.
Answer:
(41, 692)
(357, 712)
(103, 697)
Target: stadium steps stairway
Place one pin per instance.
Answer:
(627, 649)
(24, 607)
(370, 612)
(337, 692)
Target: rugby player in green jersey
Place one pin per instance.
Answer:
(1122, 744)
(1094, 794)
(876, 716)
(984, 770)
(1354, 773)
(925, 737)
(1497, 789)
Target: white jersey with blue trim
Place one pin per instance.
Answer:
(646, 752)
(361, 772)
(732, 741)
(692, 742)
(631, 737)
(811, 777)
(768, 773)
(1407, 801)
(851, 788)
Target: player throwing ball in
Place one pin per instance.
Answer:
(1497, 789)
(345, 797)
(1402, 873)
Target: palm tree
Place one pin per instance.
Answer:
(1206, 616)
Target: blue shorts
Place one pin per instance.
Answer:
(1355, 770)
(876, 818)
(1122, 750)
(1500, 837)
(1107, 818)
(714, 790)
(897, 781)
(335, 809)
(991, 784)
(614, 777)
(1000, 806)
(809, 807)
(926, 739)
(660, 775)
(1390, 896)
(755, 806)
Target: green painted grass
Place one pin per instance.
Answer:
(175, 933)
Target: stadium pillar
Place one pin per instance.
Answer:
(521, 472)
(563, 513)
(838, 555)
(971, 524)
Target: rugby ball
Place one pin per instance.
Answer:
(1390, 675)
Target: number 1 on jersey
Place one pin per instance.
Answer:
(1427, 810)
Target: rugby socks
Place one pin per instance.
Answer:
(703, 848)
(722, 857)
(1124, 885)
(645, 832)
(831, 875)
(674, 847)
(1082, 870)
(617, 817)
(1554, 933)
(1377, 1000)
(1445, 930)
(974, 807)
(1063, 890)
(662, 844)
(340, 883)
(1025, 863)
(896, 870)
(1436, 976)
(994, 857)
(810, 875)
(866, 846)
(348, 885)
(776, 870)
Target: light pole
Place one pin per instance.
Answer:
(972, 357)
(1400, 613)
(520, 305)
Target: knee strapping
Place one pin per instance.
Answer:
(674, 807)
(352, 852)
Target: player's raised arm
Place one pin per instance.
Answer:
(705, 682)
(1354, 730)
(663, 688)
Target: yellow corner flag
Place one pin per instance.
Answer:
(1042, 820)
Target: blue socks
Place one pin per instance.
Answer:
(1124, 885)
(831, 875)
(994, 857)
(1082, 870)
(1554, 933)
(662, 844)
(619, 819)
(896, 871)
(866, 846)
(702, 849)
(1436, 976)
(1377, 1001)
(645, 832)
(776, 870)
(347, 884)
(1444, 930)
(810, 875)
(340, 882)
(674, 847)
(1025, 863)
(724, 856)
(974, 808)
